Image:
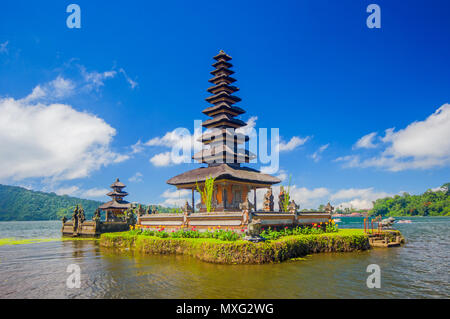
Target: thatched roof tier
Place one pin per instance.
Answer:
(222, 63)
(223, 135)
(223, 108)
(118, 184)
(223, 97)
(122, 205)
(222, 70)
(223, 120)
(117, 193)
(223, 172)
(222, 87)
(223, 154)
(222, 56)
(222, 79)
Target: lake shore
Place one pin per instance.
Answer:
(240, 251)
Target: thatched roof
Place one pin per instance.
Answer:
(222, 56)
(117, 183)
(115, 205)
(115, 193)
(224, 171)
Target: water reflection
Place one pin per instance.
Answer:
(417, 270)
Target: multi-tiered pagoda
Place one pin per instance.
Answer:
(224, 147)
(117, 205)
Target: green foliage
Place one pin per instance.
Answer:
(221, 234)
(207, 192)
(17, 203)
(276, 233)
(430, 203)
(240, 251)
(287, 195)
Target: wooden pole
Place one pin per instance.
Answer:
(193, 201)
(254, 197)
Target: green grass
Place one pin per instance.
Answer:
(27, 241)
(240, 251)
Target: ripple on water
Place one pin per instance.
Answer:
(419, 269)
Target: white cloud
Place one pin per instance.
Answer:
(52, 141)
(94, 80)
(161, 159)
(421, 145)
(75, 191)
(70, 190)
(4, 47)
(251, 124)
(136, 177)
(132, 83)
(176, 197)
(366, 141)
(358, 198)
(316, 156)
(293, 143)
(95, 193)
(57, 89)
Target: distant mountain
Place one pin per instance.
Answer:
(17, 203)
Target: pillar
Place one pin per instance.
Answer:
(254, 197)
(193, 201)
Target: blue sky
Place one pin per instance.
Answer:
(77, 106)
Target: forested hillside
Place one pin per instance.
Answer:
(430, 203)
(17, 203)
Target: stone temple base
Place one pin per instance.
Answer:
(93, 229)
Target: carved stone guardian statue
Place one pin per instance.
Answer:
(281, 199)
(187, 209)
(253, 231)
(75, 219)
(329, 209)
(293, 207)
(268, 201)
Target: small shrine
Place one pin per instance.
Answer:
(224, 149)
(119, 216)
(116, 207)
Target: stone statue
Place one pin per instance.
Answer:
(293, 207)
(187, 209)
(329, 209)
(75, 219)
(268, 201)
(140, 210)
(97, 216)
(281, 198)
(246, 205)
(148, 210)
(130, 217)
(63, 219)
(81, 216)
(253, 231)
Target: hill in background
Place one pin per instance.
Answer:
(17, 203)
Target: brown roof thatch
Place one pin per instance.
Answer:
(224, 171)
(223, 107)
(117, 183)
(114, 193)
(223, 120)
(115, 205)
(223, 56)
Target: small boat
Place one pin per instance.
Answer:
(404, 221)
(337, 220)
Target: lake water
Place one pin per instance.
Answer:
(419, 269)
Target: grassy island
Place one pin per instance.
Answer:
(239, 251)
